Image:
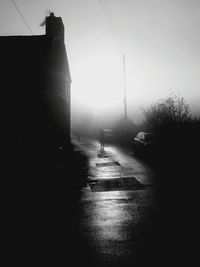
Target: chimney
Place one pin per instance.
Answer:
(55, 28)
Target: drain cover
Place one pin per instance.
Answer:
(112, 163)
(100, 155)
(116, 184)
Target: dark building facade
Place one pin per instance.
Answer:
(35, 87)
(37, 152)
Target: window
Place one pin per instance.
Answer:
(142, 137)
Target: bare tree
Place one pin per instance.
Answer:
(166, 111)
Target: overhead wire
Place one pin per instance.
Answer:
(22, 16)
(109, 20)
(107, 10)
(104, 8)
(108, 17)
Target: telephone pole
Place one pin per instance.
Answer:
(125, 103)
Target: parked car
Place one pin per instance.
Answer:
(144, 143)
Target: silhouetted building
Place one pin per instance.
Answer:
(35, 89)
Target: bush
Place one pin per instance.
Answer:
(168, 111)
(178, 132)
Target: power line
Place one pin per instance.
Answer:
(108, 17)
(105, 11)
(21, 16)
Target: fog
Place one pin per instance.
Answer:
(160, 40)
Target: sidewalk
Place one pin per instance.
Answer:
(83, 211)
(111, 220)
(114, 210)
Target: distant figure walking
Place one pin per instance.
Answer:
(101, 140)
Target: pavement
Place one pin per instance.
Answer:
(128, 214)
(100, 209)
(115, 206)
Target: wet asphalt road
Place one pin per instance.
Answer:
(115, 206)
(106, 210)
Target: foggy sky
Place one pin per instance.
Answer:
(160, 39)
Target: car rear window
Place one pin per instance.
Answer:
(150, 137)
(139, 135)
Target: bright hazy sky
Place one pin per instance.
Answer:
(160, 40)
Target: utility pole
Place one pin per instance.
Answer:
(125, 103)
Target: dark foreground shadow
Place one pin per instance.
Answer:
(170, 237)
(43, 213)
(40, 208)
